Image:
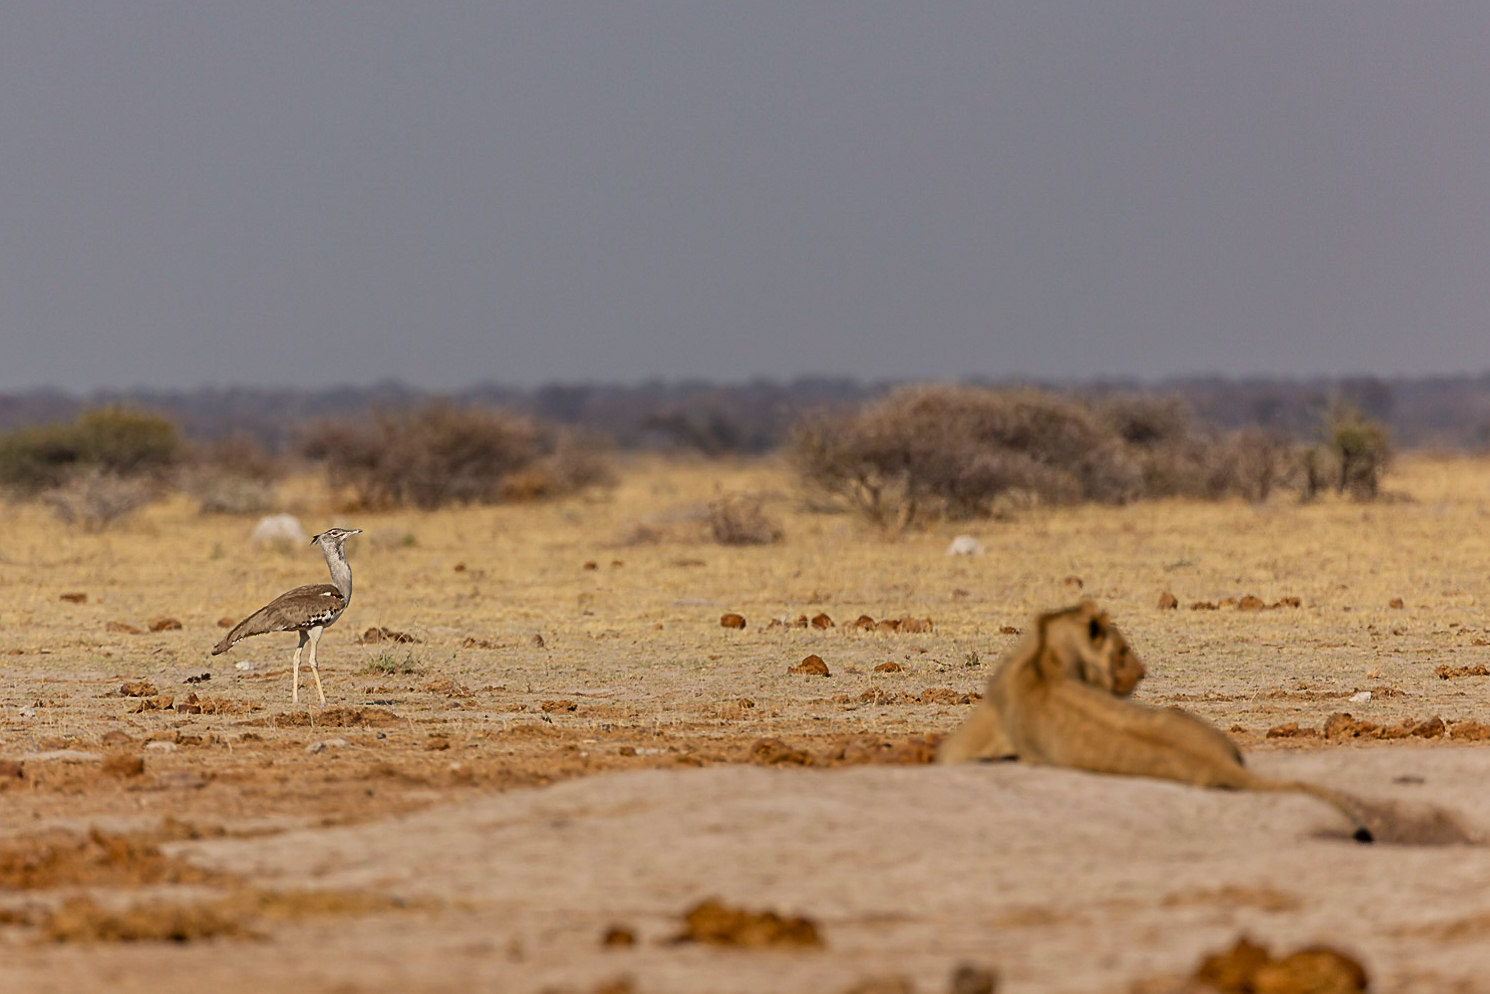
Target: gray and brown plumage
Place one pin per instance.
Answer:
(309, 610)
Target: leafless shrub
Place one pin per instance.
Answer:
(1259, 461)
(739, 519)
(444, 454)
(95, 499)
(953, 451)
(959, 452)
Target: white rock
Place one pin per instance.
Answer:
(160, 747)
(965, 545)
(325, 744)
(28, 712)
(279, 528)
(246, 666)
(1360, 698)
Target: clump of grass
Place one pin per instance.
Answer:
(389, 663)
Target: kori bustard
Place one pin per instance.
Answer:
(309, 610)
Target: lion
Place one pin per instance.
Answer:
(1055, 701)
(1107, 664)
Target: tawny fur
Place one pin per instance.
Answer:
(1109, 665)
(1044, 707)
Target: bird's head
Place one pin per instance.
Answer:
(335, 536)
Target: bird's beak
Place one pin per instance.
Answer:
(315, 538)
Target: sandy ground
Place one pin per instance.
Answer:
(486, 806)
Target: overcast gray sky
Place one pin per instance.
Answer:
(306, 193)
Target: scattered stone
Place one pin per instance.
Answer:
(448, 687)
(1344, 726)
(915, 625)
(888, 668)
(1470, 731)
(244, 666)
(460, 567)
(137, 688)
(1292, 731)
(1450, 672)
(863, 750)
(318, 747)
(1073, 582)
(75, 598)
(226, 622)
(1228, 602)
(1289, 602)
(1204, 606)
(1249, 967)
(437, 743)
(745, 703)
(970, 979)
(1168, 601)
(821, 621)
(889, 626)
(562, 704)
(472, 642)
(160, 702)
(1251, 602)
(163, 624)
(160, 747)
(278, 529)
(732, 620)
(965, 545)
(1360, 698)
(538, 642)
(717, 924)
(124, 765)
(1010, 630)
(774, 752)
(865, 622)
(1396, 603)
(812, 665)
(376, 635)
(591, 564)
(618, 935)
(10, 769)
(122, 628)
(198, 678)
(115, 737)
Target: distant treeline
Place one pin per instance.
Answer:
(756, 416)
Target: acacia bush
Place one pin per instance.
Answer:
(961, 452)
(114, 441)
(443, 454)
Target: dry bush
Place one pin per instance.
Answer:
(115, 441)
(953, 451)
(959, 452)
(443, 455)
(95, 499)
(1362, 450)
(739, 519)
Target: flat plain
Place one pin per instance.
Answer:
(571, 742)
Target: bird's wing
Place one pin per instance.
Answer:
(303, 607)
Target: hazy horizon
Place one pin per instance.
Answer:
(280, 195)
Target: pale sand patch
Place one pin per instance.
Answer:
(1064, 881)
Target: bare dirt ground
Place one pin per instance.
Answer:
(574, 743)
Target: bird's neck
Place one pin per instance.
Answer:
(341, 570)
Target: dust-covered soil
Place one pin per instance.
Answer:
(538, 730)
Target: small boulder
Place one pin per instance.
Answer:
(965, 545)
(811, 666)
(732, 620)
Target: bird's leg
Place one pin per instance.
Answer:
(295, 691)
(315, 638)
